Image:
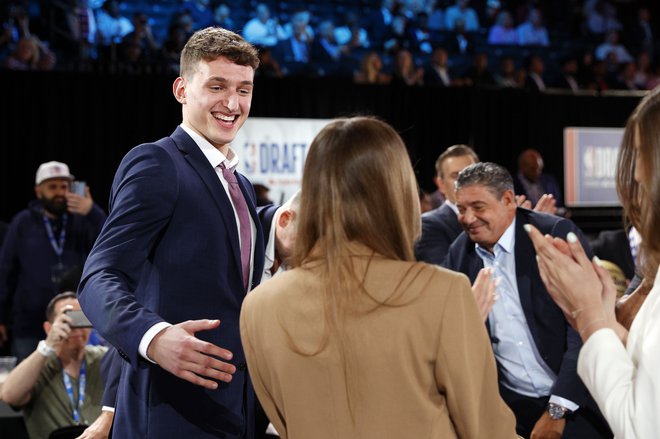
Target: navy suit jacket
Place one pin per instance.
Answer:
(169, 251)
(549, 183)
(557, 343)
(440, 227)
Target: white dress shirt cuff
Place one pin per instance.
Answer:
(148, 336)
(567, 404)
(105, 408)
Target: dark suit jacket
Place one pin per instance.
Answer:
(613, 246)
(440, 227)
(557, 343)
(169, 252)
(549, 183)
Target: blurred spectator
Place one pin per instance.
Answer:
(262, 192)
(585, 74)
(371, 70)
(141, 38)
(461, 42)
(507, 76)
(532, 182)
(351, 33)
(461, 10)
(263, 30)
(492, 10)
(113, 27)
(295, 51)
(601, 80)
(532, 32)
(420, 35)
(300, 26)
(77, 28)
(644, 71)
(268, 65)
(601, 17)
(642, 33)
(478, 74)
(329, 56)
(222, 18)
(15, 25)
(54, 234)
(425, 203)
(60, 384)
(654, 79)
(626, 79)
(436, 17)
(379, 21)
(172, 47)
(437, 72)
(612, 45)
(535, 81)
(404, 71)
(398, 36)
(567, 78)
(200, 12)
(25, 56)
(503, 32)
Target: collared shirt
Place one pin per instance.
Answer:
(269, 254)
(521, 367)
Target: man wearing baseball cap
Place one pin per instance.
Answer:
(44, 242)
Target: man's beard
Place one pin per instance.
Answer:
(55, 205)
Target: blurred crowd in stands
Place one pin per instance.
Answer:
(532, 44)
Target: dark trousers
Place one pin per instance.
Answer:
(585, 423)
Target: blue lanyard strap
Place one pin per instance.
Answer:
(68, 385)
(58, 246)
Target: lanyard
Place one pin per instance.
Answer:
(68, 385)
(58, 246)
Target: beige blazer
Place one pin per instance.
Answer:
(420, 366)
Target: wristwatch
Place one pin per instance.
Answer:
(44, 349)
(556, 411)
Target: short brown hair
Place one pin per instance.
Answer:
(454, 151)
(213, 42)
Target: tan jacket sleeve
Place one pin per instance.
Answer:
(465, 369)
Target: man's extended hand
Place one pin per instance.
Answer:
(484, 291)
(178, 351)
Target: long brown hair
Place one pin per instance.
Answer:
(641, 201)
(358, 187)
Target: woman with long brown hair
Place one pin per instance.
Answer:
(619, 367)
(359, 340)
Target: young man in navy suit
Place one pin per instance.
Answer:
(535, 347)
(180, 249)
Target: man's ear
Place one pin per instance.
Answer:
(509, 198)
(47, 326)
(179, 90)
(37, 193)
(285, 218)
(440, 184)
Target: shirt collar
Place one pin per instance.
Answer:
(212, 154)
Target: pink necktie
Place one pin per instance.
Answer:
(245, 231)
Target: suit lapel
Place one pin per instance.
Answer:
(525, 267)
(202, 167)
